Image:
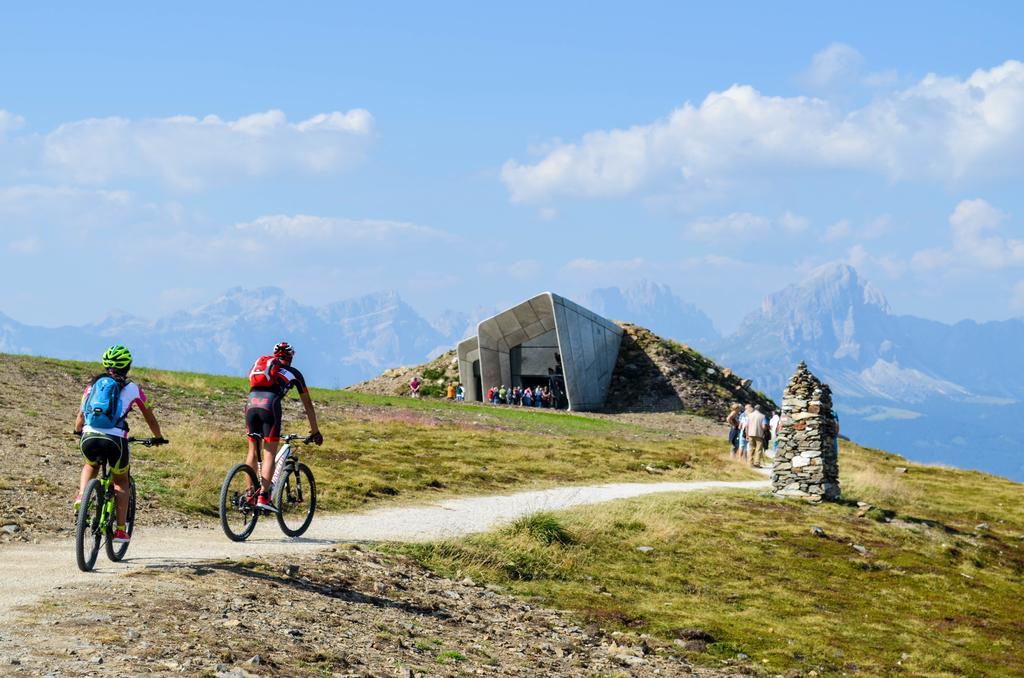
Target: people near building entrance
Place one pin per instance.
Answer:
(517, 396)
(491, 395)
(503, 395)
(451, 391)
(527, 397)
(414, 386)
(755, 428)
(733, 421)
(545, 396)
(460, 393)
(556, 387)
(773, 427)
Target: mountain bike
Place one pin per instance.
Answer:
(293, 492)
(97, 515)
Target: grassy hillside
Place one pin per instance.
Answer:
(378, 448)
(925, 581)
(651, 374)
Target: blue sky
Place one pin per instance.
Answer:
(469, 156)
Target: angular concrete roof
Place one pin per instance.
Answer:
(588, 345)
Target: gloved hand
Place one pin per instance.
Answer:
(317, 438)
(160, 440)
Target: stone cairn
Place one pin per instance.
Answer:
(806, 464)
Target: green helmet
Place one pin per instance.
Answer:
(117, 358)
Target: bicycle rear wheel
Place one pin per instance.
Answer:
(88, 531)
(295, 499)
(238, 494)
(116, 551)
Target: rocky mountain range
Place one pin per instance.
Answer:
(933, 391)
(338, 344)
(655, 307)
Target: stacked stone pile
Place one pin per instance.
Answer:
(806, 464)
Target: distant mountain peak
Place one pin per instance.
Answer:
(656, 306)
(842, 281)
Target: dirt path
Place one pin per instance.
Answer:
(33, 570)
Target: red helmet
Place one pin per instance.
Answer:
(284, 350)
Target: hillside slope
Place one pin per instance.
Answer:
(651, 374)
(378, 449)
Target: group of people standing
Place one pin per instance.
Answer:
(752, 433)
(541, 396)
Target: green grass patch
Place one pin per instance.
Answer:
(365, 462)
(450, 657)
(931, 596)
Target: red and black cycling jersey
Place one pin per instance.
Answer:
(287, 377)
(263, 406)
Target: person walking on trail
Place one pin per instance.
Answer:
(270, 379)
(414, 386)
(451, 391)
(773, 426)
(743, 443)
(460, 394)
(102, 421)
(733, 421)
(756, 426)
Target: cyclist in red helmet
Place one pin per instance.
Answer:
(270, 380)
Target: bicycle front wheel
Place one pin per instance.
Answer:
(295, 499)
(238, 495)
(88, 527)
(116, 551)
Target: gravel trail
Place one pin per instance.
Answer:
(33, 570)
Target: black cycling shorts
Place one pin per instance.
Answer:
(97, 447)
(263, 415)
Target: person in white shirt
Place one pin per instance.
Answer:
(773, 426)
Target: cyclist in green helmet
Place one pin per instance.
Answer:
(102, 423)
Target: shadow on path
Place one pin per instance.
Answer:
(336, 592)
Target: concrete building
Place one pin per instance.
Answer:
(544, 340)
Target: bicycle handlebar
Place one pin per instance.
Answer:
(149, 442)
(145, 442)
(290, 438)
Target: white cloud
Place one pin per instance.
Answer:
(742, 224)
(189, 153)
(735, 225)
(521, 270)
(839, 68)
(844, 228)
(24, 246)
(547, 213)
(50, 211)
(837, 231)
(307, 227)
(860, 258)
(837, 62)
(1017, 301)
(9, 122)
(793, 223)
(941, 128)
(607, 267)
(975, 241)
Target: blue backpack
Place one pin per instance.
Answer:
(102, 407)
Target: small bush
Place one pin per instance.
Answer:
(529, 566)
(544, 527)
(433, 374)
(450, 656)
